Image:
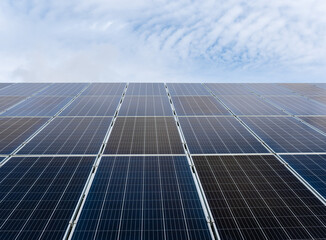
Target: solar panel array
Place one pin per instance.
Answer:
(162, 161)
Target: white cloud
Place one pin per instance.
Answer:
(183, 40)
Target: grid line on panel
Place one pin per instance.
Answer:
(7, 102)
(193, 170)
(74, 219)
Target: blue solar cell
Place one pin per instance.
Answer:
(99, 89)
(142, 198)
(9, 101)
(286, 134)
(218, 135)
(3, 85)
(187, 89)
(38, 195)
(69, 135)
(23, 89)
(14, 131)
(228, 89)
(318, 122)
(38, 106)
(312, 168)
(92, 106)
(145, 106)
(63, 89)
(157, 89)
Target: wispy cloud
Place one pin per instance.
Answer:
(101, 40)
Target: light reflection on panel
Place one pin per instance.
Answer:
(9, 101)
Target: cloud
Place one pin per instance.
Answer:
(161, 40)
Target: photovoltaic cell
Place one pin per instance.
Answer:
(256, 197)
(100, 89)
(9, 101)
(63, 89)
(3, 85)
(320, 99)
(23, 89)
(93, 106)
(38, 106)
(198, 105)
(318, 122)
(144, 135)
(142, 198)
(69, 135)
(269, 89)
(157, 89)
(218, 135)
(286, 134)
(320, 85)
(145, 106)
(228, 89)
(249, 105)
(187, 89)
(312, 168)
(304, 88)
(299, 105)
(38, 195)
(14, 131)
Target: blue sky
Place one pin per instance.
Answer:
(179, 41)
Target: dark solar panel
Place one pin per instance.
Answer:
(269, 89)
(3, 85)
(249, 105)
(228, 88)
(14, 131)
(218, 135)
(318, 122)
(9, 101)
(99, 89)
(320, 99)
(299, 105)
(144, 135)
(142, 198)
(312, 168)
(145, 106)
(63, 89)
(38, 106)
(304, 88)
(198, 105)
(23, 89)
(146, 89)
(69, 136)
(187, 89)
(286, 134)
(93, 106)
(38, 195)
(256, 197)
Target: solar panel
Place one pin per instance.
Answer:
(228, 89)
(144, 135)
(38, 106)
(320, 85)
(23, 89)
(312, 168)
(63, 89)
(69, 135)
(157, 89)
(14, 131)
(145, 106)
(187, 89)
(198, 105)
(318, 122)
(269, 89)
(142, 198)
(3, 85)
(38, 195)
(249, 105)
(304, 88)
(298, 105)
(218, 135)
(9, 101)
(99, 89)
(320, 99)
(92, 106)
(256, 197)
(286, 134)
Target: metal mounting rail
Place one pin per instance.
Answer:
(297, 175)
(209, 217)
(79, 207)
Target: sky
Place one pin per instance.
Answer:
(163, 40)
